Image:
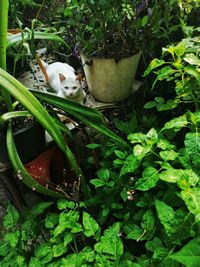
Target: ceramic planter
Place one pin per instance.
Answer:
(29, 141)
(110, 80)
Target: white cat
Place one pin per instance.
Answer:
(62, 79)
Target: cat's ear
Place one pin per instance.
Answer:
(62, 77)
(79, 77)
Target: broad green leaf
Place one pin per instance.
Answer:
(103, 174)
(63, 204)
(165, 144)
(72, 260)
(150, 104)
(110, 243)
(176, 123)
(147, 222)
(59, 250)
(164, 73)
(51, 220)
(123, 194)
(42, 250)
(34, 262)
(40, 207)
(166, 216)
(4, 248)
(137, 138)
(141, 151)
(134, 232)
(192, 147)
(97, 182)
(191, 197)
(155, 63)
(189, 255)
(191, 70)
(130, 165)
(168, 155)
(120, 154)
(12, 238)
(170, 175)
(179, 49)
(192, 59)
(11, 218)
(90, 226)
(149, 179)
(151, 137)
(187, 179)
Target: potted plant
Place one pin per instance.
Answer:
(109, 40)
(12, 92)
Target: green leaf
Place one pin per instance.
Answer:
(16, 38)
(168, 155)
(51, 220)
(165, 144)
(87, 115)
(164, 73)
(155, 63)
(134, 232)
(93, 146)
(39, 208)
(179, 49)
(147, 222)
(97, 182)
(59, 250)
(63, 204)
(90, 226)
(34, 262)
(150, 104)
(192, 59)
(145, 20)
(176, 123)
(120, 154)
(12, 238)
(11, 218)
(189, 255)
(191, 70)
(110, 243)
(130, 165)
(141, 151)
(123, 194)
(103, 174)
(192, 147)
(166, 216)
(137, 138)
(4, 248)
(42, 250)
(191, 197)
(149, 179)
(170, 175)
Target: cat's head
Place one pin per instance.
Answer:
(71, 88)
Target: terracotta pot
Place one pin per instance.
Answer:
(110, 80)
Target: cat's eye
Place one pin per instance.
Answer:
(74, 87)
(66, 87)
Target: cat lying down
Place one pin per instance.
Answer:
(62, 79)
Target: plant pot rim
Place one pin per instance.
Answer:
(109, 58)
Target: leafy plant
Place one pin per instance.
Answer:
(181, 68)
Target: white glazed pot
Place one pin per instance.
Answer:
(109, 80)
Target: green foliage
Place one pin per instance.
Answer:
(181, 67)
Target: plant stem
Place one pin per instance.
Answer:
(3, 42)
